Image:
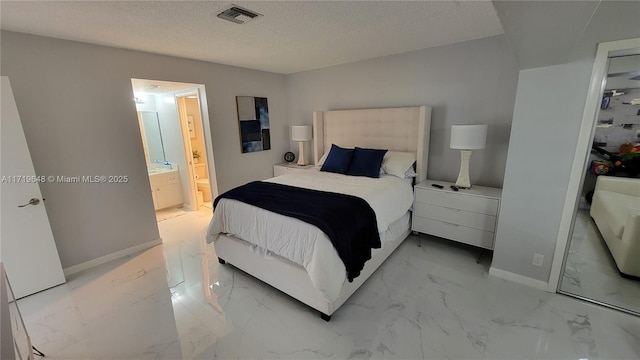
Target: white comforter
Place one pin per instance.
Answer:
(300, 242)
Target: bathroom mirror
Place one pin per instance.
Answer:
(151, 136)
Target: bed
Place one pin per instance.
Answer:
(316, 279)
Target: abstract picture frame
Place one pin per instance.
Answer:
(253, 122)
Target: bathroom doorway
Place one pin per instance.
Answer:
(176, 136)
(190, 113)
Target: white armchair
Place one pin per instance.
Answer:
(616, 211)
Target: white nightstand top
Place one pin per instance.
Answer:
(294, 165)
(475, 189)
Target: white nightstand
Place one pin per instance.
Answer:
(468, 216)
(287, 168)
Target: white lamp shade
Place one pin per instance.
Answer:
(301, 133)
(468, 137)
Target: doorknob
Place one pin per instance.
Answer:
(33, 201)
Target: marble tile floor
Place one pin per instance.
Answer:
(591, 272)
(174, 301)
(165, 214)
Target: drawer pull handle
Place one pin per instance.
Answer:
(450, 224)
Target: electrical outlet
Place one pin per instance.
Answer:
(538, 259)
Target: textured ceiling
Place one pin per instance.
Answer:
(292, 36)
(543, 33)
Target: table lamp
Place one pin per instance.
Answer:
(467, 138)
(301, 133)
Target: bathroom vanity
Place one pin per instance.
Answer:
(165, 187)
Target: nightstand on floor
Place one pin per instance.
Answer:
(287, 168)
(468, 216)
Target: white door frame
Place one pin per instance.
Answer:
(200, 93)
(585, 138)
(186, 143)
(208, 142)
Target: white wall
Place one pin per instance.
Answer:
(76, 105)
(470, 82)
(549, 105)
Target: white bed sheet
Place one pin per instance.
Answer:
(305, 244)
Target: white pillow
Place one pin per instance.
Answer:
(399, 164)
(322, 159)
(410, 173)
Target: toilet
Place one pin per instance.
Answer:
(203, 185)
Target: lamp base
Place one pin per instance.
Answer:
(302, 158)
(463, 181)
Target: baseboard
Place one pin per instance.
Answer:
(115, 255)
(538, 284)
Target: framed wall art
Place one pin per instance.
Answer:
(253, 119)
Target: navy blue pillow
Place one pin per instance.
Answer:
(338, 160)
(366, 162)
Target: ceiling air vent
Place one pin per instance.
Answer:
(238, 15)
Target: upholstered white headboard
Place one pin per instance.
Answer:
(395, 129)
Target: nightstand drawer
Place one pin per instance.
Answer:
(456, 216)
(463, 201)
(455, 232)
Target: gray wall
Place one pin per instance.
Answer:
(544, 130)
(76, 105)
(549, 105)
(470, 82)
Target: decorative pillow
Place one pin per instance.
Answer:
(399, 164)
(338, 160)
(366, 162)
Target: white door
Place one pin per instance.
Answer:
(28, 251)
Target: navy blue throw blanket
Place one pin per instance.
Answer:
(348, 221)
